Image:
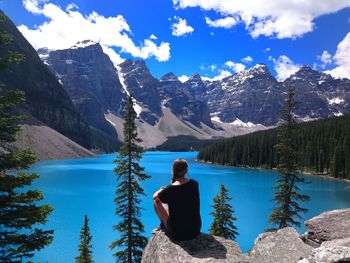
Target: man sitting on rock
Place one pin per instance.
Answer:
(177, 205)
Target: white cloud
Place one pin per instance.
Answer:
(325, 58)
(183, 78)
(272, 18)
(236, 67)
(226, 22)
(114, 56)
(213, 67)
(64, 28)
(181, 28)
(222, 74)
(342, 59)
(284, 67)
(153, 37)
(247, 59)
(267, 50)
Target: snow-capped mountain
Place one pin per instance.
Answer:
(165, 107)
(253, 95)
(176, 97)
(89, 77)
(243, 102)
(319, 94)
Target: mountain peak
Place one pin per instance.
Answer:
(195, 76)
(306, 72)
(170, 76)
(260, 68)
(84, 44)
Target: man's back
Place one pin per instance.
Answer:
(184, 217)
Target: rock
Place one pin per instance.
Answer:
(283, 246)
(337, 242)
(204, 248)
(325, 254)
(329, 226)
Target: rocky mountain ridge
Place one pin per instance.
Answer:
(165, 107)
(241, 103)
(254, 95)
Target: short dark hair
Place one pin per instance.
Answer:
(180, 167)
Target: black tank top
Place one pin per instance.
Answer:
(184, 217)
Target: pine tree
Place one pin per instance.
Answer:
(287, 197)
(129, 174)
(223, 224)
(20, 216)
(85, 248)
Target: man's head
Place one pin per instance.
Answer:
(180, 168)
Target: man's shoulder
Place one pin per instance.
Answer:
(194, 182)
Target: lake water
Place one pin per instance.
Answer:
(86, 186)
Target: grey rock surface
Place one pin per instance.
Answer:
(283, 246)
(329, 226)
(204, 248)
(328, 255)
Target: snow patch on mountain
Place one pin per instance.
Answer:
(236, 122)
(136, 106)
(336, 100)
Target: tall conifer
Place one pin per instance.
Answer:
(223, 224)
(287, 195)
(129, 174)
(85, 248)
(20, 216)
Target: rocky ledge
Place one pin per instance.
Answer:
(327, 240)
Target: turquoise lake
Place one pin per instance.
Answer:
(76, 187)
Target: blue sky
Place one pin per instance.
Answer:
(213, 37)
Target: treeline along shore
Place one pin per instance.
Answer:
(323, 148)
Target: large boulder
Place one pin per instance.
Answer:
(325, 254)
(329, 226)
(204, 248)
(283, 246)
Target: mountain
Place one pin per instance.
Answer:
(319, 94)
(241, 103)
(166, 107)
(196, 86)
(46, 99)
(139, 82)
(253, 95)
(47, 143)
(91, 81)
(182, 103)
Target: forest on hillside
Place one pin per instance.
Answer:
(323, 148)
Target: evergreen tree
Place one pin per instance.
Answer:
(287, 197)
(223, 224)
(129, 174)
(85, 248)
(20, 234)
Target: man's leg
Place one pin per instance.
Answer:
(162, 211)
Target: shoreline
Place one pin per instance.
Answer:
(308, 173)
